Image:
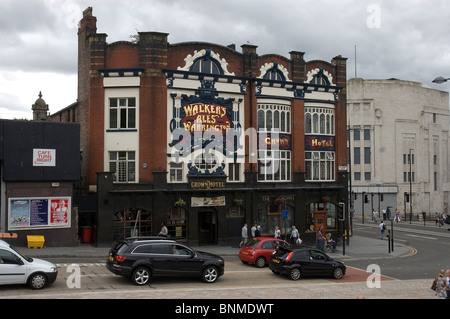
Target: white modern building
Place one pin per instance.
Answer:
(398, 146)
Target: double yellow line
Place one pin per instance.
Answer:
(412, 252)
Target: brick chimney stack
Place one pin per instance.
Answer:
(88, 23)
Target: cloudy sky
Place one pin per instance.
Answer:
(404, 39)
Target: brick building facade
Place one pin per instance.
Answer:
(40, 163)
(204, 138)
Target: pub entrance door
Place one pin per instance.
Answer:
(320, 219)
(207, 225)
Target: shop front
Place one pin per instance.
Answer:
(209, 212)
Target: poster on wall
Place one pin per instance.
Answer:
(31, 213)
(207, 201)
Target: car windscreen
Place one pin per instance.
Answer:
(252, 242)
(29, 259)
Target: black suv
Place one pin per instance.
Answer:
(141, 259)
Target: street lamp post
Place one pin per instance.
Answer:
(410, 185)
(440, 80)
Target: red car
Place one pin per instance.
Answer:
(258, 250)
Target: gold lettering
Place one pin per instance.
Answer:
(208, 184)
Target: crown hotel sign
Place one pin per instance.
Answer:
(200, 182)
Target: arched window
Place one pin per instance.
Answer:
(273, 71)
(206, 64)
(273, 75)
(320, 78)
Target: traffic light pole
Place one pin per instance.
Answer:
(362, 205)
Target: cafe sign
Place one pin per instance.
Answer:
(44, 157)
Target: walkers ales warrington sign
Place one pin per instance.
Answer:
(202, 117)
(205, 127)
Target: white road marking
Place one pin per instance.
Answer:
(420, 236)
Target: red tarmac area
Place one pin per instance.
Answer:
(358, 275)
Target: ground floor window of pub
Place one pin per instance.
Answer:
(131, 222)
(272, 217)
(331, 210)
(176, 225)
(235, 210)
(123, 165)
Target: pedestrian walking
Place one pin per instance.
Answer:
(398, 215)
(277, 232)
(437, 219)
(294, 235)
(382, 228)
(244, 235)
(320, 239)
(375, 215)
(253, 230)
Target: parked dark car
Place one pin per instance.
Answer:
(305, 262)
(259, 249)
(140, 260)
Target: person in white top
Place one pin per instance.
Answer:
(163, 231)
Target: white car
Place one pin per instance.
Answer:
(18, 269)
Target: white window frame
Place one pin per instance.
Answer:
(319, 120)
(176, 172)
(274, 166)
(124, 163)
(234, 172)
(321, 166)
(122, 108)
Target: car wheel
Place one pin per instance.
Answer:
(294, 274)
(338, 273)
(37, 281)
(210, 274)
(260, 262)
(140, 276)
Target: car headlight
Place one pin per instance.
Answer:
(54, 269)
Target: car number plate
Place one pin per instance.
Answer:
(244, 252)
(111, 258)
(276, 261)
